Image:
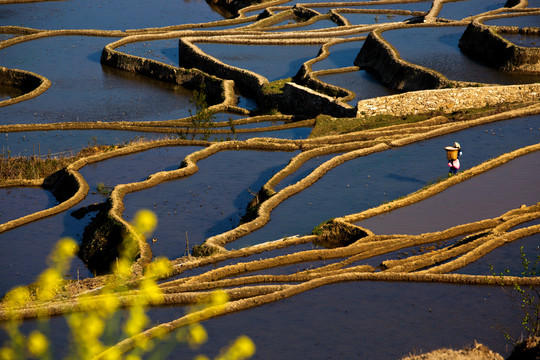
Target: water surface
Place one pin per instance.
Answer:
(437, 49)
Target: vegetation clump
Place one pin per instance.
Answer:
(333, 234)
(275, 87)
(36, 167)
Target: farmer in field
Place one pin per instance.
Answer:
(452, 154)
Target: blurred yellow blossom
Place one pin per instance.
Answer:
(122, 268)
(136, 322)
(242, 348)
(219, 297)
(160, 267)
(64, 251)
(150, 293)
(197, 335)
(17, 297)
(145, 221)
(37, 343)
(7, 353)
(112, 354)
(201, 357)
(108, 304)
(93, 326)
(48, 283)
(132, 357)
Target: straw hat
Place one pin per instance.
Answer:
(456, 145)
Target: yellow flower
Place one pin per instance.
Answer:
(145, 222)
(136, 322)
(112, 353)
(201, 357)
(65, 249)
(48, 281)
(7, 353)
(219, 297)
(242, 348)
(159, 267)
(150, 292)
(197, 335)
(87, 303)
(93, 326)
(37, 343)
(122, 268)
(245, 346)
(108, 304)
(17, 297)
(132, 357)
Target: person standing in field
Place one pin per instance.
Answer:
(453, 153)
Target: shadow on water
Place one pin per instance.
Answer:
(404, 178)
(437, 49)
(241, 202)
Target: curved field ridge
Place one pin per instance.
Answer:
(30, 84)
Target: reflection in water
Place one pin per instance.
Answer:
(437, 49)
(272, 62)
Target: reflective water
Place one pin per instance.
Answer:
(519, 21)
(437, 49)
(83, 90)
(106, 15)
(486, 196)
(272, 62)
(363, 182)
(208, 202)
(458, 10)
(341, 55)
(28, 200)
(363, 84)
(523, 40)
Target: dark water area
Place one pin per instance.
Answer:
(413, 6)
(106, 15)
(36, 240)
(523, 40)
(458, 10)
(437, 49)
(320, 24)
(360, 19)
(83, 90)
(206, 203)
(367, 320)
(362, 83)
(364, 182)
(136, 167)
(519, 21)
(340, 55)
(165, 51)
(28, 200)
(291, 134)
(272, 62)
(485, 196)
(66, 142)
(29, 247)
(69, 142)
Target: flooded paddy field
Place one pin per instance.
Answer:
(319, 241)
